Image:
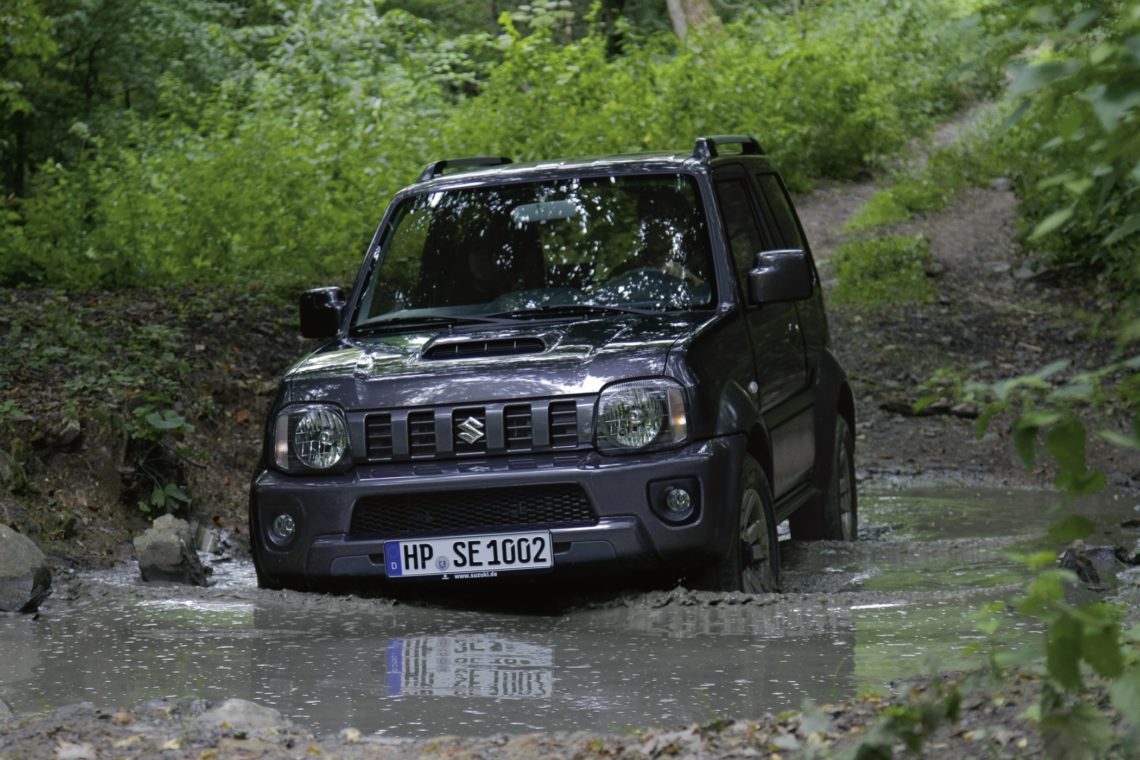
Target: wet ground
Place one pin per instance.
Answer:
(853, 617)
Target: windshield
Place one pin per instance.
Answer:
(631, 243)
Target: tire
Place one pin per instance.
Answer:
(751, 560)
(834, 515)
(264, 580)
(273, 582)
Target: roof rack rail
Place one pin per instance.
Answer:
(706, 147)
(437, 168)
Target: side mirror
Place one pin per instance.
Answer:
(321, 311)
(780, 276)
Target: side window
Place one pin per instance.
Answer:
(744, 239)
(786, 230)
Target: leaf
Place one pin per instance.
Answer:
(174, 492)
(1125, 441)
(167, 419)
(1129, 226)
(1102, 52)
(1076, 733)
(1089, 481)
(1023, 655)
(1082, 21)
(1015, 115)
(1111, 105)
(1072, 528)
(1033, 77)
(1025, 443)
(1052, 222)
(1036, 560)
(1101, 648)
(1079, 186)
(1125, 694)
(1065, 442)
(1025, 430)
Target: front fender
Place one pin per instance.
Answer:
(833, 396)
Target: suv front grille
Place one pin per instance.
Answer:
(563, 424)
(465, 431)
(518, 427)
(457, 512)
(421, 435)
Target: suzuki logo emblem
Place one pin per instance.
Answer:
(470, 430)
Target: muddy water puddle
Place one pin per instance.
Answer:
(852, 618)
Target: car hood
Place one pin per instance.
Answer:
(532, 359)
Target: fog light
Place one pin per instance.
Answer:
(283, 528)
(678, 500)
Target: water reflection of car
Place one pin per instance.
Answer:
(604, 365)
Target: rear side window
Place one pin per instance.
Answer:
(779, 210)
(739, 224)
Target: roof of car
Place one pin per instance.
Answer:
(482, 168)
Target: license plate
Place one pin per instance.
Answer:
(469, 556)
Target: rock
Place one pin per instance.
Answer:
(1092, 564)
(67, 433)
(6, 711)
(165, 553)
(1130, 577)
(242, 715)
(24, 576)
(11, 473)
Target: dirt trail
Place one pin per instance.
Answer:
(992, 312)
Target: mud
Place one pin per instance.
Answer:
(852, 618)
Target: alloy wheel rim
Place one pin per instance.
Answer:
(845, 494)
(753, 544)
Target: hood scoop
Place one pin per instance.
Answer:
(477, 349)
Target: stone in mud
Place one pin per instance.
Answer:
(24, 575)
(242, 715)
(1092, 564)
(6, 711)
(165, 553)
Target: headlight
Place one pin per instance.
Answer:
(641, 414)
(310, 437)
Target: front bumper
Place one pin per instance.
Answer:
(621, 490)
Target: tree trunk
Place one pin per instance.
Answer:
(686, 14)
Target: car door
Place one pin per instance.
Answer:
(789, 234)
(775, 332)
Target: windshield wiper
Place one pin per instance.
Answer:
(379, 325)
(570, 310)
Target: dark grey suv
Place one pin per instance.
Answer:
(607, 365)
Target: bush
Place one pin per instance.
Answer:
(883, 271)
(1073, 143)
(278, 174)
(976, 158)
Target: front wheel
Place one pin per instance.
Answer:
(751, 560)
(834, 514)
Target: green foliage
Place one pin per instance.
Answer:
(129, 367)
(882, 271)
(13, 448)
(881, 208)
(1074, 137)
(268, 152)
(909, 724)
(974, 159)
(1055, 406)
